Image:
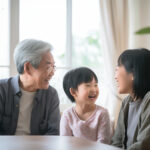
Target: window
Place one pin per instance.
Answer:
(49, 25)
(86, 37)
(86, 46)
(71, 26)
(4, 51)
(45, 20)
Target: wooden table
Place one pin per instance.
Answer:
(50, 143)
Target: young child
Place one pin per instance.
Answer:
(85, 119)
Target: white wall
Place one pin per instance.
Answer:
(139, 11)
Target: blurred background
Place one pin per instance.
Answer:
(89, 33)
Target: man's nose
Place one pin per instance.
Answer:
(52, 72)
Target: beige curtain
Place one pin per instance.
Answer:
(114, 35)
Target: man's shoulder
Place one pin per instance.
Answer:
(5, 83)
(49, 94)
(9, 83)
(4, 88)
(51, 90)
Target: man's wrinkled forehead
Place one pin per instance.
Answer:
(48, 58)
(50, 62)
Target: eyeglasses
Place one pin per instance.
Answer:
(51, 68)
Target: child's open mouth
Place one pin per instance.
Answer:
(92, 96)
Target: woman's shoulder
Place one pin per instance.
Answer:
(126, 101)
(147, 96)
(146, 102)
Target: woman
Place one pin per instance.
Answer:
(133, 78)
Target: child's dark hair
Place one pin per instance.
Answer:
(75, 77)
(137, 62)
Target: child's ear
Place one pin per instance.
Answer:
(73, 92)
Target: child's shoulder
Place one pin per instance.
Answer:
(69, 111)
(101, 109)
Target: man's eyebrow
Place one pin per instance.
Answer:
(48, 62)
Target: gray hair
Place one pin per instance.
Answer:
(30, 50)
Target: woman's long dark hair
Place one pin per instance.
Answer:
(137, 62)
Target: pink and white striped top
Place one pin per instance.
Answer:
(95, 128)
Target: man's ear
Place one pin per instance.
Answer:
(27, 68)
(73, 92)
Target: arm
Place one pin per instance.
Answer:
(64, 126)
(104, 128)
(143, 137)
(2, 132)
(54, 116)
(117, 139)
(1, 106)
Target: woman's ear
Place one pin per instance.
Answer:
(73, 92)
(132, 77)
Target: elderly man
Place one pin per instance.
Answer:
(28, 104)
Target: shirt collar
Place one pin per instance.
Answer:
(15, 85)
(17, 90)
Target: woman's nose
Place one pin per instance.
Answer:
(116, 73)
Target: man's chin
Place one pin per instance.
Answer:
(45, 87)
